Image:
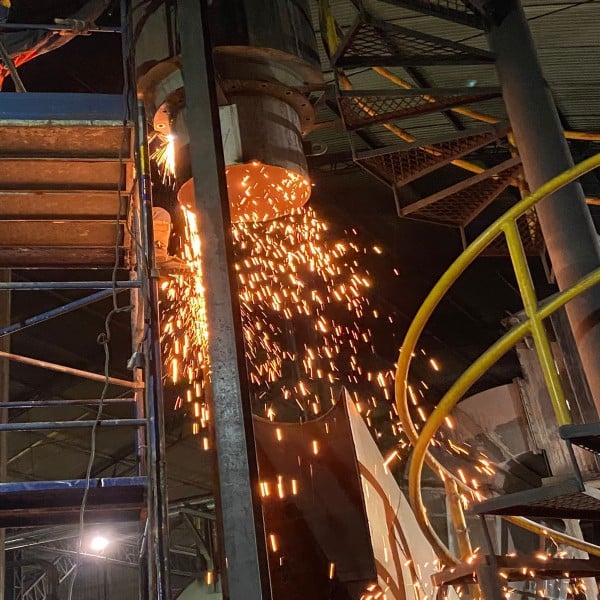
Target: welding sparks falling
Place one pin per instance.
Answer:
(306, 317)
(304, 302)
(164, 156)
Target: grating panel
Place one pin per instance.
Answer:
(452, 10)
(519, 568)
(364, 108)
(585, 436)
(461, 207)
(531, 236)
(399, 165)
(371, 42)
(567, 499)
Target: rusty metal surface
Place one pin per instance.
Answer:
(59, 205)
(65, 139)
(61, 174)
(60, 233)
(63, 184)
(51, 257)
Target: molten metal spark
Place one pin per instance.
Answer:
(164, 156)
(304, 313)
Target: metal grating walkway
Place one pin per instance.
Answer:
(371, 42)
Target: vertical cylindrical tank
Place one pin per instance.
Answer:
(266, 58)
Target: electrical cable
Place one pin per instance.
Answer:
(104, 340)
(104, 337)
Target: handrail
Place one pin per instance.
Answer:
(535, 315)
(69, 27)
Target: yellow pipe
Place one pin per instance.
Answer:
(429, 305)
(330, 39)
(457, 515)
(538, 331)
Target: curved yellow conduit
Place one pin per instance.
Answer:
(421, 442)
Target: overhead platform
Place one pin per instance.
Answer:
(35, 503)
(66, 174)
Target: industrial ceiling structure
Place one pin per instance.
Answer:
(417, 247)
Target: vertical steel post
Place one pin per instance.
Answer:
(243, 541)
(157, 538)
(565, 219)
(5, 300)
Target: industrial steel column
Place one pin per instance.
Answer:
(565, 219)
(157, 533)
(5, 302)
(243, 544)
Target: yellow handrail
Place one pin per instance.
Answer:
(536, 314)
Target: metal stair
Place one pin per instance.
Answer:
(565, 499)
(456, 11)
(516, 568)
(568, 498)
(459, 204)
(586, 436)
(371, 42)
(362, 108)
(65, 180)
(398, 165)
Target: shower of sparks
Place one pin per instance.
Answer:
(307, 326)
(258, 192)
(184, 329)
(305, 315)
(164, 156)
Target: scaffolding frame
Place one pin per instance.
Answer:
(143, 496)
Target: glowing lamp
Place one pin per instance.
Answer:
(99, 543)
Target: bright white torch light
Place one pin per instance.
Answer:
(99, 543)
